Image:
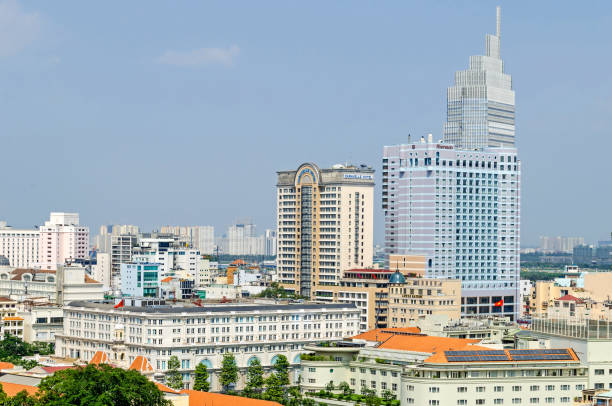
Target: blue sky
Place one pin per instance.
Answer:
(151, 113)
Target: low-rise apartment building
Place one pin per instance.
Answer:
(204, 334)
(65, 284)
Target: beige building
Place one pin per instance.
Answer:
(593, 288)
(411, 302)
(387, 298)
(367, 289)
(412, 265)
(325, 224)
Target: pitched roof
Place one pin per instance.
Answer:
(90, 280)
(429, 344)
(382, 334)
(197, 398)
(141, 364)
(18, 273)
(52, 370)
(570, 298)
(164, 388)
(11, 389)
(6, 365)
(100, 357)
(167, 279)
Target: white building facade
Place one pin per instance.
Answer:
(21, 247)
(202, 334)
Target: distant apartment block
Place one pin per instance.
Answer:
(62, 239)
(20, 247)
(559, 244)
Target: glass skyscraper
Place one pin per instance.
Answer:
(480, 106)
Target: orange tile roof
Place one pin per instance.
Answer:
(165, 389)
(11, 389)
(167, 279)
(141, 364)
(13, 318)
(100, 357)
(90, 280)
(382, 334)
(570, 298)
(197, 398)
(428, 343)
(440, 357)
(6, 365)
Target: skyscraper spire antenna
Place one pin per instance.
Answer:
(498, 32)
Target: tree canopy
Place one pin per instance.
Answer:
(254, 379)
(229, 371)
(201, 378)
(174, 378)
(99, 385)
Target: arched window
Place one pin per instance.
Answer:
(253, 359)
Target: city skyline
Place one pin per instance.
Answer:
(248, 75)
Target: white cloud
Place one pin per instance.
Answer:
(17, 27)
(201, 57)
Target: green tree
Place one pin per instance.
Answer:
(201, 378)
(388, 396)
(99, 385)
(255, 379)
(308, 402)
(330, 386)
(229, 371)
(274, 389)
(281, 368)
(174, 378)
(345, 388)
(294, 396)
(21, 399)
(370, 397)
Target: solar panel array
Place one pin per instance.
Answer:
(511, 355)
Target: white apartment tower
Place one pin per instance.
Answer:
(62, 239)
(480, 109)
(325, 224)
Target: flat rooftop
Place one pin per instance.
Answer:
(222, 308)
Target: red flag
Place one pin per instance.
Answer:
(120, 304)
(499, 304)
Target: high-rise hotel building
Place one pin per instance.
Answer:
(325, 224)
(461, 210)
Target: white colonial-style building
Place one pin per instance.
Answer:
(157, 331)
